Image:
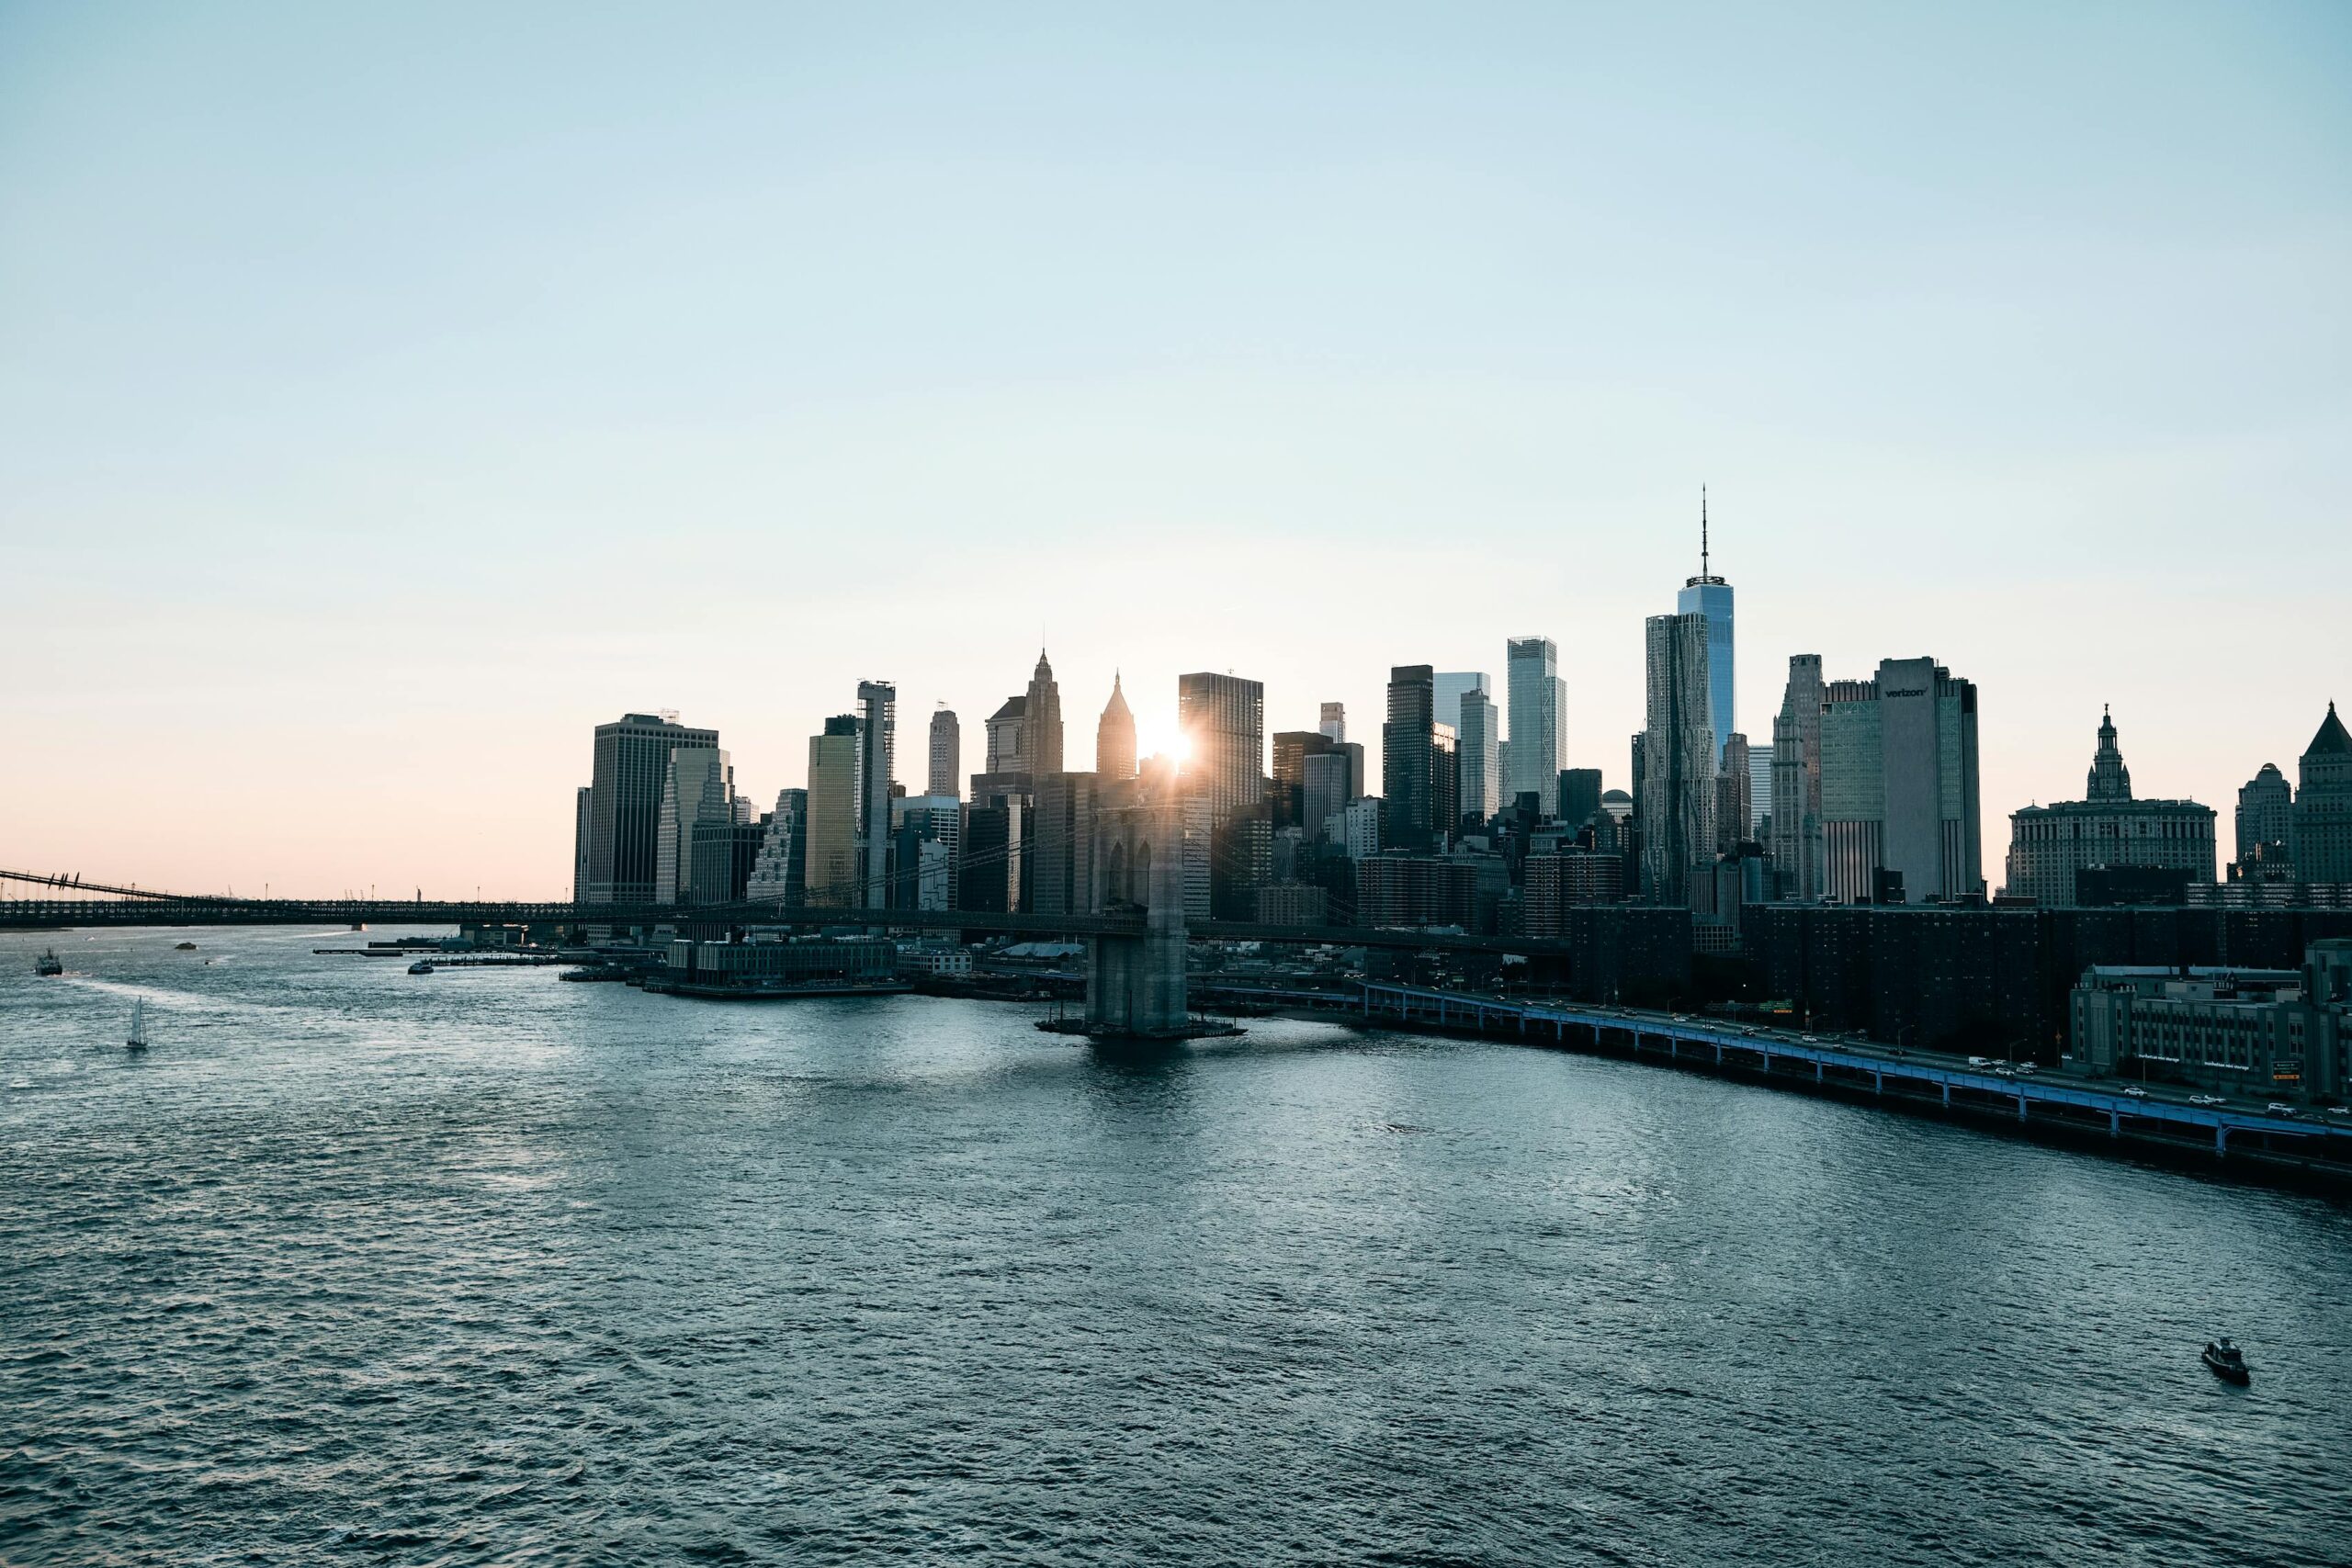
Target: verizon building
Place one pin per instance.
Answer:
(1900, 817)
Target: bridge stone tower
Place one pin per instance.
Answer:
(1135, 985)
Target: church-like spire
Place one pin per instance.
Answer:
(2110, 779)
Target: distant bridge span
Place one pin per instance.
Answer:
(101, 904)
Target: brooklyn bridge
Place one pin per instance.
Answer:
(52, 900)
(1136, 980)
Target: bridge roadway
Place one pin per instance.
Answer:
(2328, 1140)
(128, 906)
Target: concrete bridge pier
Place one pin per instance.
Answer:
(1136, 985)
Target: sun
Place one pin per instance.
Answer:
(1162, 737)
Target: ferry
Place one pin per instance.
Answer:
(49, 964)
(421, 966)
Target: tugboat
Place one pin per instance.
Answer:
(2227, 1361)
(421, 966)
(138, 1041)
(49, 964)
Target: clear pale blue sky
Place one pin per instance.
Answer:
(388, 396)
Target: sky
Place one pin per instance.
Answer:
(389, 395)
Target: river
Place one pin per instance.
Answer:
(484, 1267)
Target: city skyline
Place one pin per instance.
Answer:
(1993, 343)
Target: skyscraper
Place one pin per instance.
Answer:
(1326, 778)
(1796, 783)
(632, 763)
(1536, 695)
(1114, 737)
(1224, 718)
(990, 872)
(1334, 722)
(1899, 785)
(831, 871)
(1291, 749)
(877, 704)
(2323, 844)
(582, 817)
(781, 871)
(1710, 596)
(1004, 737)
(1579, 796)
(1677, 760)
(1465, 702)
(1063, 842)
(1732, 824)
(926, 836)
(1408, 759)
(2265, 827)
(1041, 723)
(946, 754)
(697, 787)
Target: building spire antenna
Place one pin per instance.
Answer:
(1702, 530)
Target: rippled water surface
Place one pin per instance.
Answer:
(484, 1267)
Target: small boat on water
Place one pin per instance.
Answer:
(182, 947)
(48, 963)
(2227, 1361)
(421, 966)
(138, 1041)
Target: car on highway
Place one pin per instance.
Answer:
(2135, 1091)
(2206, 1100)
(1980, 1061)
(2280, 1108)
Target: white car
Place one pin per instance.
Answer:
(2135, 1091)
(2026, 1067)
(2206, 1100)
(2276, 1108)
(1980, 1061)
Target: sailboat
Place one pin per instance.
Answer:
(138, 1041)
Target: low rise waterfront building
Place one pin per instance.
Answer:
(2260, 1033)
(810, 961)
